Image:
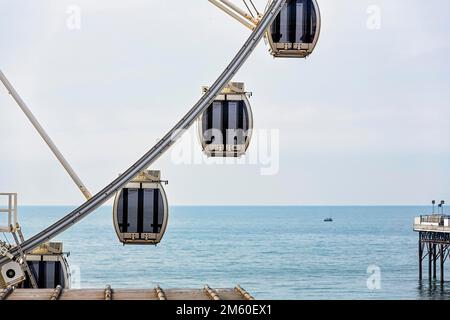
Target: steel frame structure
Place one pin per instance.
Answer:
(434, 246)
(163, 145)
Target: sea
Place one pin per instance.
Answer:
(274, 252)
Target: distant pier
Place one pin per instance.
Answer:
(434, 243)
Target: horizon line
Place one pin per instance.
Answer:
(247, 205)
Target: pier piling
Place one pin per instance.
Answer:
(430, 262)
(434, 261)
(434, 243)
(442, 263)
(420, 259)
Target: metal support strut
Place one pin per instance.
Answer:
(44, 135)
(235, 12)
(211, 293)
(6, 292)
(108, 293)
(160, 293)
(56, 293)
(436, 247)
(23, 263)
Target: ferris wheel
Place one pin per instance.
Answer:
(224, 120)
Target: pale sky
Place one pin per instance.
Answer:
(364, 120)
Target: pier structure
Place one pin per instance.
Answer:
(109, 293)
(434, 243)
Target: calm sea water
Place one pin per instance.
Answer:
(273, 252)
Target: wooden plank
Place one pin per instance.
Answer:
(229, 294)
(135, 294)
(125, 294)
(186, 294)
(31, 294)
(85, 294)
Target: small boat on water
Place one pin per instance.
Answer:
(328, 220)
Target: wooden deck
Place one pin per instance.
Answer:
(431, 228)
(207, 293)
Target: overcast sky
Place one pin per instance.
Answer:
(364, 120)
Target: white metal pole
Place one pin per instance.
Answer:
(10, 211)
(240, 11)
(233, 14)
(45, 136)
(16, 214)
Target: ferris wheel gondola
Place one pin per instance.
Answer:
(225, 128)
(49, 267)
(294, 32)
(296, 29)
(141, 210)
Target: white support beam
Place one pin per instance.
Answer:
(231, 12)
(240, 11)
(45, 136)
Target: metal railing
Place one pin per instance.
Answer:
(434, 218)
(11, 211)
